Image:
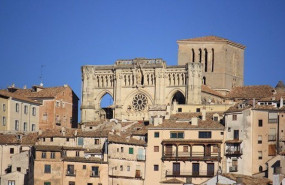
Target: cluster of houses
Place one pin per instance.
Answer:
(42, 144)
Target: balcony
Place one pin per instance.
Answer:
(236, 151)
(70, 173)
(140, 157)
(194, 156)
(199, 174)
(272, 137)
(233, 169)
(94, 174)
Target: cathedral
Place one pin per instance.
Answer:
(138, 84)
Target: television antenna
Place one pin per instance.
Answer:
(41, 75)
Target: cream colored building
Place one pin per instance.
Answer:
(253, 135)
(18, 114)
(184, 150)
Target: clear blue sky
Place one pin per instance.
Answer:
(64, 35)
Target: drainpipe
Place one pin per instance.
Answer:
(277, 144)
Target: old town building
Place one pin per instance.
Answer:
(59, 105)
(18, 113)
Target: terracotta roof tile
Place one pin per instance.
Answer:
(274, 97)
(248, 180)
(125, 139)
(189, 115)
(250, 92)
(17, 96)
(56, 148)
(83, 159)
(207, 89)
(172, 181)
(172, 124)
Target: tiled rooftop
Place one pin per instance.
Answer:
(250, 92)
(17, 96)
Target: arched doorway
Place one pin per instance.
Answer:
(179, 98)
(106, 104)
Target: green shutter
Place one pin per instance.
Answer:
(131, 150)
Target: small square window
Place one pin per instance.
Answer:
(260, 123)
(84, 167)
(11, 150)
(19, 169)
(155, 167)
(71, 183)
(67, 139)
(156, 134)
(44, 155)
(47, 168)
(131, 150)
(198, 110)
(97, 142)
(222, 133)
(47, 183)
(179, 109)
(156, 148)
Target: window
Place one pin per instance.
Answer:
(259, 139)
(205, 134)
(67, 139)
(89, 183)
(222, 133)
(71, 183)
(80, 141)
(10, 182)
(122, 149)
(131, 150)
(57, 103)
(4, 121)
(70, 170)
(272, 117)
(176, 134)
(155, 167)
(121, 168)
(34, 111)
(44, 155)
(45, 116)
(25, 126)
(156, 148)
(44, 139)
(25, 109)
(97, 142)
(260, 123)
(17, 107)
(4, 107)
(198, 110)
(179, 109)
(84, 167)
(259, 155)
(52, 155)
(185, 148)
(11, 150)
(47, 183)
(128, 168)
(118, 149)
(51, 139)
(16, 125)
(63, 153)
(47, 168)
(234, 117)
(33, 127)
(95, 171)
(77, 153)
(216, 118)
(19, 169)
(156, 134)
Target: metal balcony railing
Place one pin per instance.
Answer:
(200, 173)
(140, 157)
(233, 151)
(271, 137)
(70, 173)
(233, 168)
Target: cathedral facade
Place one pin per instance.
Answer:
(137, 84)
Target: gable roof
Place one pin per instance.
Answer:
(7, 94)
(212, 38)
(207, 89)
(250, 92)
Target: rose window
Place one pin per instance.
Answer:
(139, 102)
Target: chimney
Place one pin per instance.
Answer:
(63, 131)
(65, 85)
(203, 114)
(41, 84)
(194, 121)
(25, 87)
(281, 102)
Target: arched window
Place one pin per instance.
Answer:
(213, 59)
(260, 169)
(206, 60)
(204, 80)
(179, 98)
(105, 103)
(193, 55)
(200, 55)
